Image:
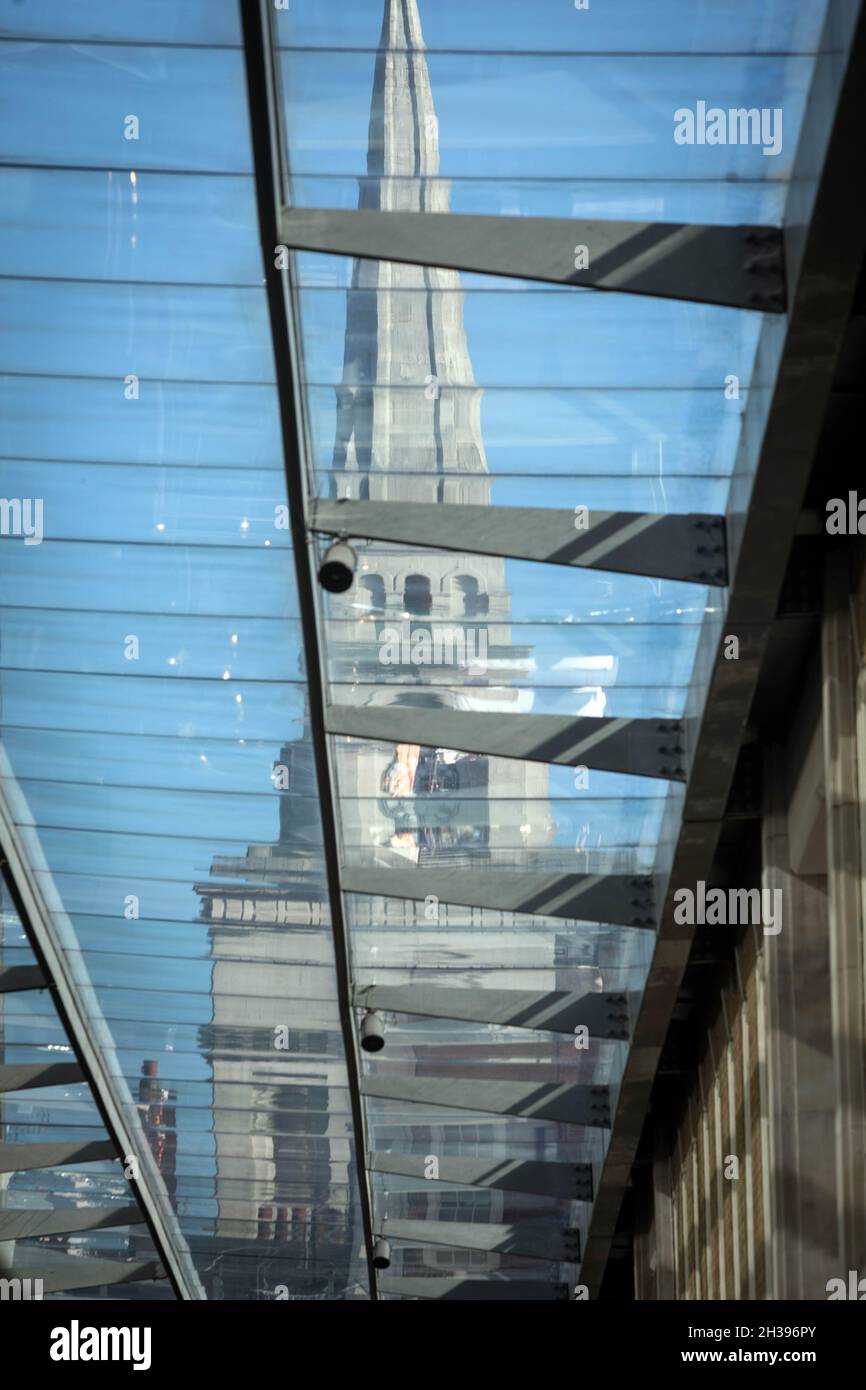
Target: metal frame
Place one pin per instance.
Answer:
(626, 900)
(825, 245)
(25, 1158)
(570, 1181)
(556, 1011)
(742, 267)
(27, 1076)
(26, 1224)
(519, 1239)
(15, 979)
(688, 547)
(82, 1027)
(71, 1273)
(256, 18)
(480, 1290)
(544, 1100)
(636, 747)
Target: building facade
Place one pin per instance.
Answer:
(751, 1183)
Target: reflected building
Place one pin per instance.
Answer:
(426, 629)
(276, 1051)
(408, 429)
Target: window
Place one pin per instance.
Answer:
(416, 595)
(475, 604)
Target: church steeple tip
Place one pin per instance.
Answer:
(403, 140)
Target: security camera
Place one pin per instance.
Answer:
(372, 1032)
(382, 1254)
(337, 569)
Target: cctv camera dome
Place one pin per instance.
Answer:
(382, 1254)
(372, 1032)
(337, 569)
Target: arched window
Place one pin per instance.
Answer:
(475, 604)
(417, 597)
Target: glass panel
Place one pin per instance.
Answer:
(85, 329)
(190, 106)
(156, 751)
(543, 366)
(216, 424)
(399, 942)
(160, 21)
(483, 1051)
(634, 494)
(621, 109)
(436, 803)
(466, 1134)
(169, 646)
(567, 432)
(134, 579)
(779, 26)
(730, 202)
(235, 508)
(131, 225)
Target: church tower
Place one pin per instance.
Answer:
(408, 409)
(408, 429)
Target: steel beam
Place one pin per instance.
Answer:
(492, 1290)
(72, 1272)
(555, 1011)
(569, 1181)
(682, 546)
(637, 747)
(572, 1105)
(52, 940)
(562, 1247)
(740, 266)
(26, 1076)
(25, 1224)
(613, 899)
(21, 977)
(23, 1158)
(265, 126)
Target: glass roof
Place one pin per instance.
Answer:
(502, 77)
(158, 747)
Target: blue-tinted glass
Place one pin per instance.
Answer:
(511, 26)
(156, 753)
(425, 385)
